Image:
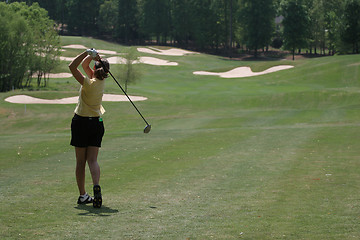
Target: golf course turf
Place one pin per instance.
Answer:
(274, 156)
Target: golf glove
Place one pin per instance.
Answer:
(92, 52)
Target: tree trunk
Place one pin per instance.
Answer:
(293, 53)
(231, 30)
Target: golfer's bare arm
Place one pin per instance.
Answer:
(85, 66)
(73, 66)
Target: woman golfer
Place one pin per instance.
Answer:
(87, 128)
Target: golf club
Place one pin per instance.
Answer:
(148, 126)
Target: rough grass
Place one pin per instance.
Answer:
(267, 157)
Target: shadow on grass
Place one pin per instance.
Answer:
(89, 210)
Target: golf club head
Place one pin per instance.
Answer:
(147, 129)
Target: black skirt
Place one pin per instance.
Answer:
(86, 131)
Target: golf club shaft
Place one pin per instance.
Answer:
(124, 92)
(128, 98)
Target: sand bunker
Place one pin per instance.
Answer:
(75, 46)
(24, 99)
(116, 60)
(151, 50)
(60, 75)
(157, 61)
(100, 51)
(55, 75)
(110, 52)
(69, 59)
(144, 60)
(241, 72)
(354, 64)
(168, 52)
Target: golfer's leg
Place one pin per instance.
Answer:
(80, 168)
(92, 154)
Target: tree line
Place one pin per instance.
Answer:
(318, 26)
(29, 45)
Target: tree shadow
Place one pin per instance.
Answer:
(89, 210)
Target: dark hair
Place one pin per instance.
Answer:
(101, 72)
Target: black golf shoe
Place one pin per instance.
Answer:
(97, 202)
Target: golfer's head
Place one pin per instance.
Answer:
(100, 71)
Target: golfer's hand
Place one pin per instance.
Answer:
(92, 52)
(97, 58)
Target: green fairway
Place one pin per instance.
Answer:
(274, 156)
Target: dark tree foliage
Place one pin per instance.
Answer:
(328, 25)
(126, 29)
(351, 24)
(296, 25)
(29, 44)
(257, 17)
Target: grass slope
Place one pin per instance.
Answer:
(267, 157)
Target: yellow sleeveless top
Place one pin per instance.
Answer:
(90, 98)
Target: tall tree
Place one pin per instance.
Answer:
(224, 16)
(231, 8)
(15, 39)
(315, 8)
(129, 71)
(351, 24)
(47, 42)
(28, 44)
(107, 20)
(205, 23)
(332, 15)
(296, 25)
(155, 19)
(257, 18)
(181, 21)
(82, 16)
(127, 22)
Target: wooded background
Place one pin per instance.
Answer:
(224, 27)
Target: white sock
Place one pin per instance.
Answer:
(83, 197)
